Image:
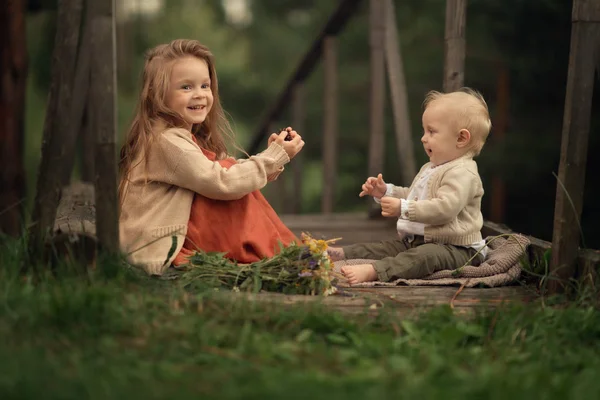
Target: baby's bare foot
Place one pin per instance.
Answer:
(359, 273)
(335, 253)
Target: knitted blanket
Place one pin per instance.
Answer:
(500, 267)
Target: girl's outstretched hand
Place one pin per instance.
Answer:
(292, 145)
(375, 187)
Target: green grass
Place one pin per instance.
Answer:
(91, 336)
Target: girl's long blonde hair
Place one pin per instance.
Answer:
(152, 110)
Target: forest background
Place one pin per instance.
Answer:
(516, 47)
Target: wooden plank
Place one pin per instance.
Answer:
(585, 45)
(298, 123)
(57, 125)
(399, 300)
(454, 45)
(589, 268)
(103, 91)
(398, 94)
(13, 74)
(336, 22)
(350, 227)
(330, 124)
(74, 234)
(377, 96)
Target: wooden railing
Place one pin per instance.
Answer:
(384, 52)
(585, 42)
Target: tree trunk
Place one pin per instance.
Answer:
(13, 72)
(57, 136)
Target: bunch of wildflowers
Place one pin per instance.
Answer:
(303, 268)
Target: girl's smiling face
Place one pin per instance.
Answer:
(189, 92)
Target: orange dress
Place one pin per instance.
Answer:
(247, 229)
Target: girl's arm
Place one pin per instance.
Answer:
(175, 159)
(272, 176)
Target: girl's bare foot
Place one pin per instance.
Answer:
(359, 273)
(336, 253)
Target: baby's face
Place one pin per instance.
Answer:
(440, 135)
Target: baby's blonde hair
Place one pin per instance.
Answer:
(470, 111)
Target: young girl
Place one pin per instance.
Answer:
(179, 191)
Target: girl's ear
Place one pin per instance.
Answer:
(463, 139)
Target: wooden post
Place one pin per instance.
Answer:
(377, 99)
(454, 48)
(13, 73)
(80, 97)
(298, 123)
(585, 48)
(57, 126)
(88, 144)
(500, 127)
(330, 124)
(103, 91)
(376, 42)
(399, 98)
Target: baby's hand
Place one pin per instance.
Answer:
(375, 187)
(292, 145)
(390, 206)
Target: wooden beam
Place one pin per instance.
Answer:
(80, 96)
(330, 124)
(103, 91)
(500, 127)
(454, 45)
(377, 97)
(57, 125)
(585, 45)
(13, 74)
(336, 22)
(88, 144)
(298, 123)
(398, 93)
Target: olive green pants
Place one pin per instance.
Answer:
(401, 259)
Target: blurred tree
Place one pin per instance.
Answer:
(13, 73)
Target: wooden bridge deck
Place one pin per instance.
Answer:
(403, 300)
(350, 227)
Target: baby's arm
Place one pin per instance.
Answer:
(399, 192)
(180, 162)
(457, 188)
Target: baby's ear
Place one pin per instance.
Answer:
(464, 138)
